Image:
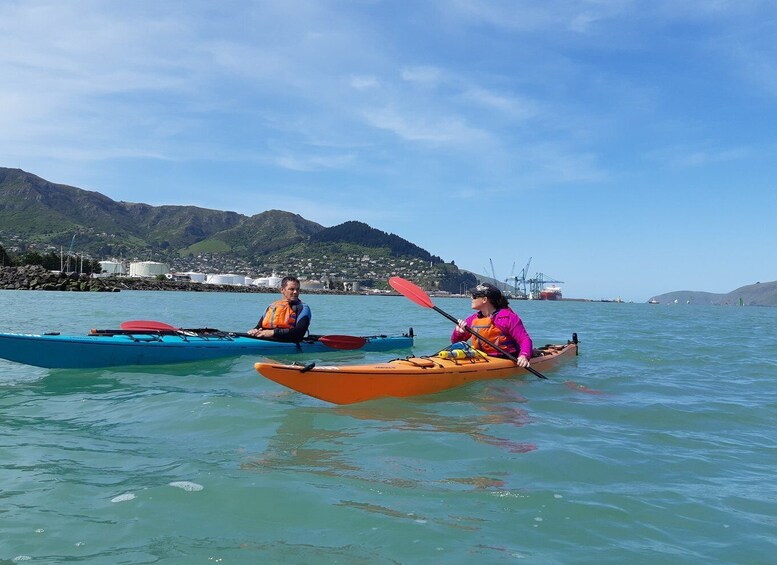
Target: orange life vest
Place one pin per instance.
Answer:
(279, 314)
(485, 327)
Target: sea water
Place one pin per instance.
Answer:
(657, 444)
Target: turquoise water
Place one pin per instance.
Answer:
(656, 445)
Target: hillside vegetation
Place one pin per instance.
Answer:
(39, 215)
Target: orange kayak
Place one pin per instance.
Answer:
(411, 376)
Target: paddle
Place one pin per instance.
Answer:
(342, 341)
(147, 325)
(346, 342)
(417, 295)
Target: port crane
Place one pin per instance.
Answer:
(536, 284)
(510, 276)
(519, 281)
(494, 280)
(523, 286)
(493, 272)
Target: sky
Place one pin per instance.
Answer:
(626, 148)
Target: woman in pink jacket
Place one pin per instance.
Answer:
(498, 323)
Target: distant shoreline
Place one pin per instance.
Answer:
(125, 283)
(38, 278)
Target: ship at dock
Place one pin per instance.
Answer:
(538, 287)
(551, 292)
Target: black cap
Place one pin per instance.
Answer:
(488, 290)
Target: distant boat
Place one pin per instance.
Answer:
(652, 301)
(551, 292)
(516, 296)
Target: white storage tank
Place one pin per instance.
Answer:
(226, 279)
(148, 269)
(197, 277)
(218, 279)
(274, 281)
(112, 267)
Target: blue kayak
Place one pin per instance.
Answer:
(111, 348)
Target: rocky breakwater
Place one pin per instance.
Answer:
(35, 277)
(129, 283)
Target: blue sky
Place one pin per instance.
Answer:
(629, 148)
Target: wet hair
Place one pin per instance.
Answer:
(287, 279)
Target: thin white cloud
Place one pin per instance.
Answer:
(419, 126)
(363, 82)
(422, 75)
(529, 16)
(309, 163)
(684, 157)
(754, 60)
(515, 107)
(702, 158)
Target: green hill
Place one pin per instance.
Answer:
(44, 216)
(350, 232)
(261, 234)
(758, 294)
(38, 211)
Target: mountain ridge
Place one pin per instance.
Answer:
(756, 294)
(36, 213)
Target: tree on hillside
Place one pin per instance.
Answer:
(452, 280)
(53, 262)
(360, 233)
(5, 260)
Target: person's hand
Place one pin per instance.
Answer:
(257, 332)
(461, 326)
(522, 361)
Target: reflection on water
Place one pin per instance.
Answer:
(377, 509)
(319, 440)
(75, 382)
(295, 446)
(480, 483)
(581, 388)
(496, 408)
